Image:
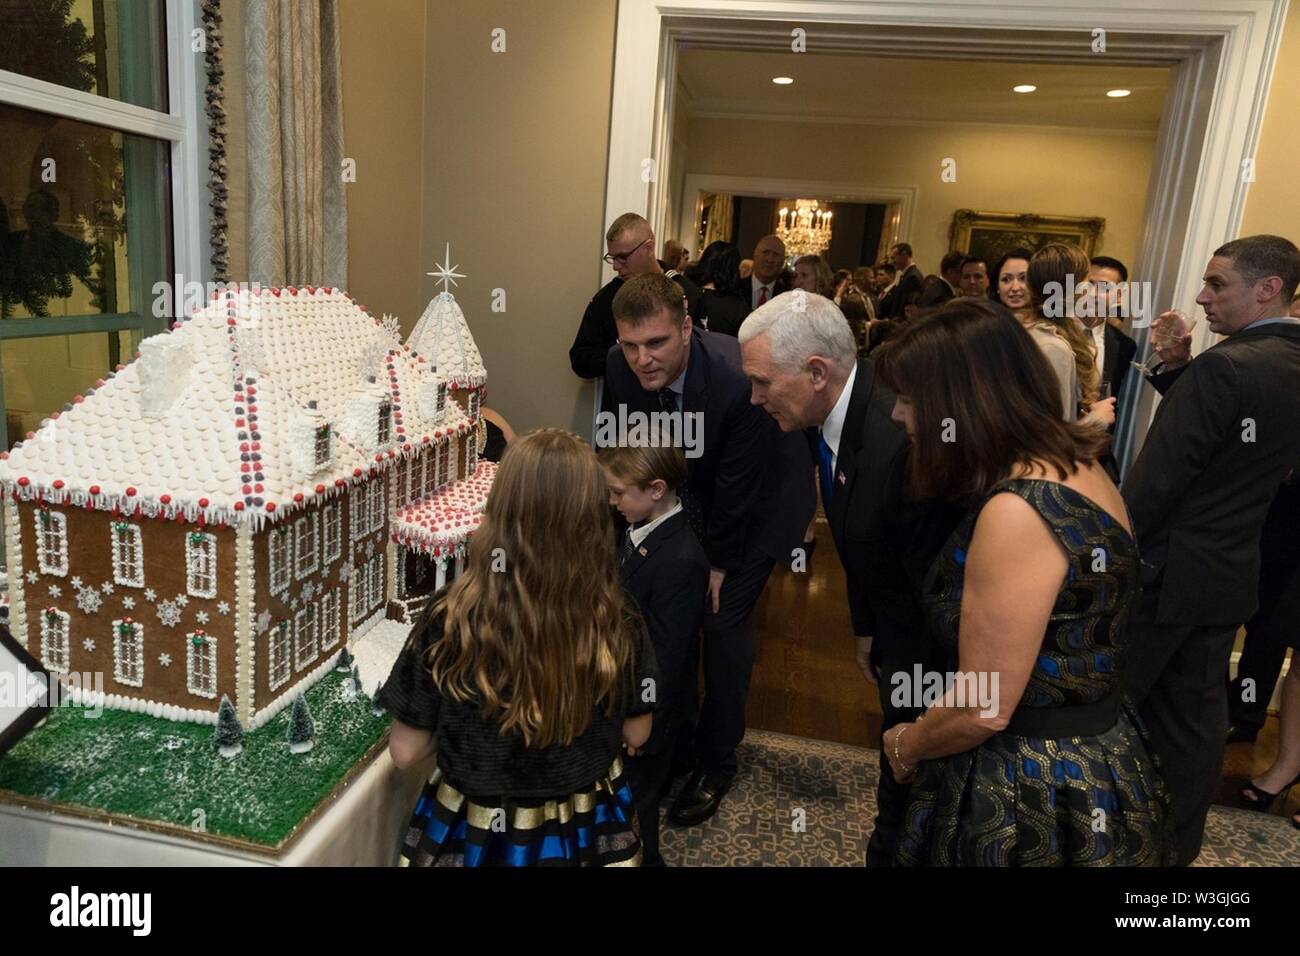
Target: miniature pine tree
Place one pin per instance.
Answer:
(356, 681)
(302, 729)
(375, 707)
(230, 735)
(345, 661)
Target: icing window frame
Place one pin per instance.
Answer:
(357, 511)
(201, 564)
(279, 558)
(329, 632)
(56, 640)
(322, 447)
(331, 533)
(375, 502)
(444, 462)
(201, 664)
(127, 546)
(375, 582)
(52, 542)
(278, 662)
(440, 399)
(304, 638)
(128, 652)
(305, 551)
(384, 424)
(473, 403)
(471, 453)
(429, 485)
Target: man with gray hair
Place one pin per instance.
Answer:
(802, 364)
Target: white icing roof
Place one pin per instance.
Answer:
(442, 336)
(256, 359)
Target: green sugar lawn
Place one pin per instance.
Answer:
(170, 772)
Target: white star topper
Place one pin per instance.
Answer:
(446, 272)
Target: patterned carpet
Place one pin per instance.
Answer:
(800, 802)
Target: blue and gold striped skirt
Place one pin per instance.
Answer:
(596, 826)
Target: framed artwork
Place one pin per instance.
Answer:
(991, 234)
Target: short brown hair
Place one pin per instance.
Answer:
(644, 295)
(642, 464)
(971, 366)
(1258, 257)
(629, 220)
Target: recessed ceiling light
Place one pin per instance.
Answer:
(1116, 94)
(1024, 88)
(783, 80)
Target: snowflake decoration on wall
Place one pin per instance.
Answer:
(223, 608)
(128, 602)
(55, 591)
(88, 600)
(181, 600)
(345, 572)
(165, 660)
(370, 548)
(150, 594)
(201, 617)
(106, 587)
(76, 583)
(309, 591)
(263, 622)
(31, 577)
(89, 645)
(391, 326)
(169, 614)
(296, 602)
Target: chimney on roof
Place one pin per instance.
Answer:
(164, 367)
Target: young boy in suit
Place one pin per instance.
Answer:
(664, 568)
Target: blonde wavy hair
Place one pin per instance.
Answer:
(1051, 264)
(550, 638)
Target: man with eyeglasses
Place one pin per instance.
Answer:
(630, 245)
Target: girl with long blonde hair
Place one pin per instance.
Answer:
(525, 676)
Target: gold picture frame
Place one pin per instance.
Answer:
(989, 235)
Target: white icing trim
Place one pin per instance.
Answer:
(58, 630)
(209, 645)
(121, 662)
(305, 546)
(17, 583)
(361, 629)
(279, 556)
(330, 629)
(201, 564)
(245, 636)
(275, 660)
(331, 532)
(304, 637)
(138, 705)
(284, 700)
(51, 541)
(127, 546)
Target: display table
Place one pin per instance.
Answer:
(362, 826)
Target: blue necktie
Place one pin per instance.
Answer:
(826, 468)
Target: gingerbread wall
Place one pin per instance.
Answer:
(90, 561)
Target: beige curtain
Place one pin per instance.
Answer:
(719, 221)
(297, 207)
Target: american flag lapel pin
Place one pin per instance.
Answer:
(643, 551)
(842, 479)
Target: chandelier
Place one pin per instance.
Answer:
(805, 230)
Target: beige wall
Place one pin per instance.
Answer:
(515, 148)
(1273, 203)
(1052, 172)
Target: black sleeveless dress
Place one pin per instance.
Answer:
(1072, 781)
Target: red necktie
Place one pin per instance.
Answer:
(762, 294)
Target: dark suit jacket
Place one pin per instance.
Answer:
(1223, 439)
(726, 311)
(597, 331)
(886, 540)
(669, 577)
(751, 480)
(891, 306)
(1115, 369)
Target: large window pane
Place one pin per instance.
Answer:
(113, 48)
(85, 217)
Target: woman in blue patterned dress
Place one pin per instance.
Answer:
(1031, 757)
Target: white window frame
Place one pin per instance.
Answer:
(56, 640)
(279, 557)
(208, 649)
(384, 423)
(375, 503)
(440, 401)
(375, 582)
(128, 565)
(473, 404)
(328, 629)
(358, 511)
(444, 462)
(279, 651)
(323, 433)
(331, 533)
(304, 636)
(201, 565)
(52, 541)
(430, 484)
(183, 127)
(471, 452)
(305, 559)
(120, 661)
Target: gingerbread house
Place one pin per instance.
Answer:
(263, 484)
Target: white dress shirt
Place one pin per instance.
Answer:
(833, 428)
(640, 534)
(1098, 333)
(755, 285)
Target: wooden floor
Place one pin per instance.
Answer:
(807, 684)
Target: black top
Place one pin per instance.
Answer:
(481, 761)
(597, 332)
(495, 445)
(726, 310)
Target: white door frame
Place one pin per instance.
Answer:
(1222, 62)
(903, 198)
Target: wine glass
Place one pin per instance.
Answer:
(1166, 331)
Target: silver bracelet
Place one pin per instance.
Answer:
(897, 757)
